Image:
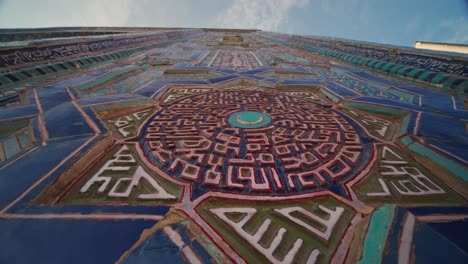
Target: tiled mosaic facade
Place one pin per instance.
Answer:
(229, 146)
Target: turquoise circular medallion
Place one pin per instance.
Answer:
(249, 119)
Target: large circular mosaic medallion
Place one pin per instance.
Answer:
(255, 142)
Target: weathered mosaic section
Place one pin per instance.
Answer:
(281, 232)
(123, 178)
(126, 126)
(235, 60)
(230, 146)
(402, 181)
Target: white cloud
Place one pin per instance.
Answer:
(64, 13)
(413, 25)
(257, 14)
(261, 14)
(459, 29)
(160, 13)
(450, 30)
(108, 12)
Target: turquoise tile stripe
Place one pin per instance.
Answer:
(452, 166)
(454, 83)
(414, 72)
(376, 237)
(402, 70)
(438, 79)
(388, 66)
(84, 62)
(378, 64)
(425, 75)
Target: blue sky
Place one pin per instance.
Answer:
(398, 22)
